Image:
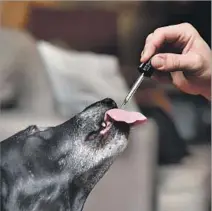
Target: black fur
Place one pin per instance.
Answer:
(55, 169)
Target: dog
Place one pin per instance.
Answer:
(55, 169)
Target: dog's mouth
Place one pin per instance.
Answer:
(121, 116)
(115, 119)
(102, 134)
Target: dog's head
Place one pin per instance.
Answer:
(73, 155)
(77, 145)
(91, 152)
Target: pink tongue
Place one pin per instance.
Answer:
(119, 115)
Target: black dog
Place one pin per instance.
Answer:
(55, 169)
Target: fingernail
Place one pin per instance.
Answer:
(142, 56)
(142, 53)
(157, 62)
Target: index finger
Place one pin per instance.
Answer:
(180, 34)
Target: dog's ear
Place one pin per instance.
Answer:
(24, 133)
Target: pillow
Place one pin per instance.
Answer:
(81, 78)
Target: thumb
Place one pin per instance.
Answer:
(170, 62)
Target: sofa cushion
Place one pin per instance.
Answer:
(22, 73)
(81, 78)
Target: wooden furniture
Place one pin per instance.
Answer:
(84, 30)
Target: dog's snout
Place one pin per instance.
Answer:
(109, 102)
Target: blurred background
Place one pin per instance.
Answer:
(57, 57)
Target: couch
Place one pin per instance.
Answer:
(134, 182)
(128, 185)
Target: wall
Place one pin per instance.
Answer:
(14, 14)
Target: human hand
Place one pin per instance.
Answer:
(190, 71)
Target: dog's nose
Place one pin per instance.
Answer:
(109, 102)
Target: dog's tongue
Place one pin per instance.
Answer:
(120, 115)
